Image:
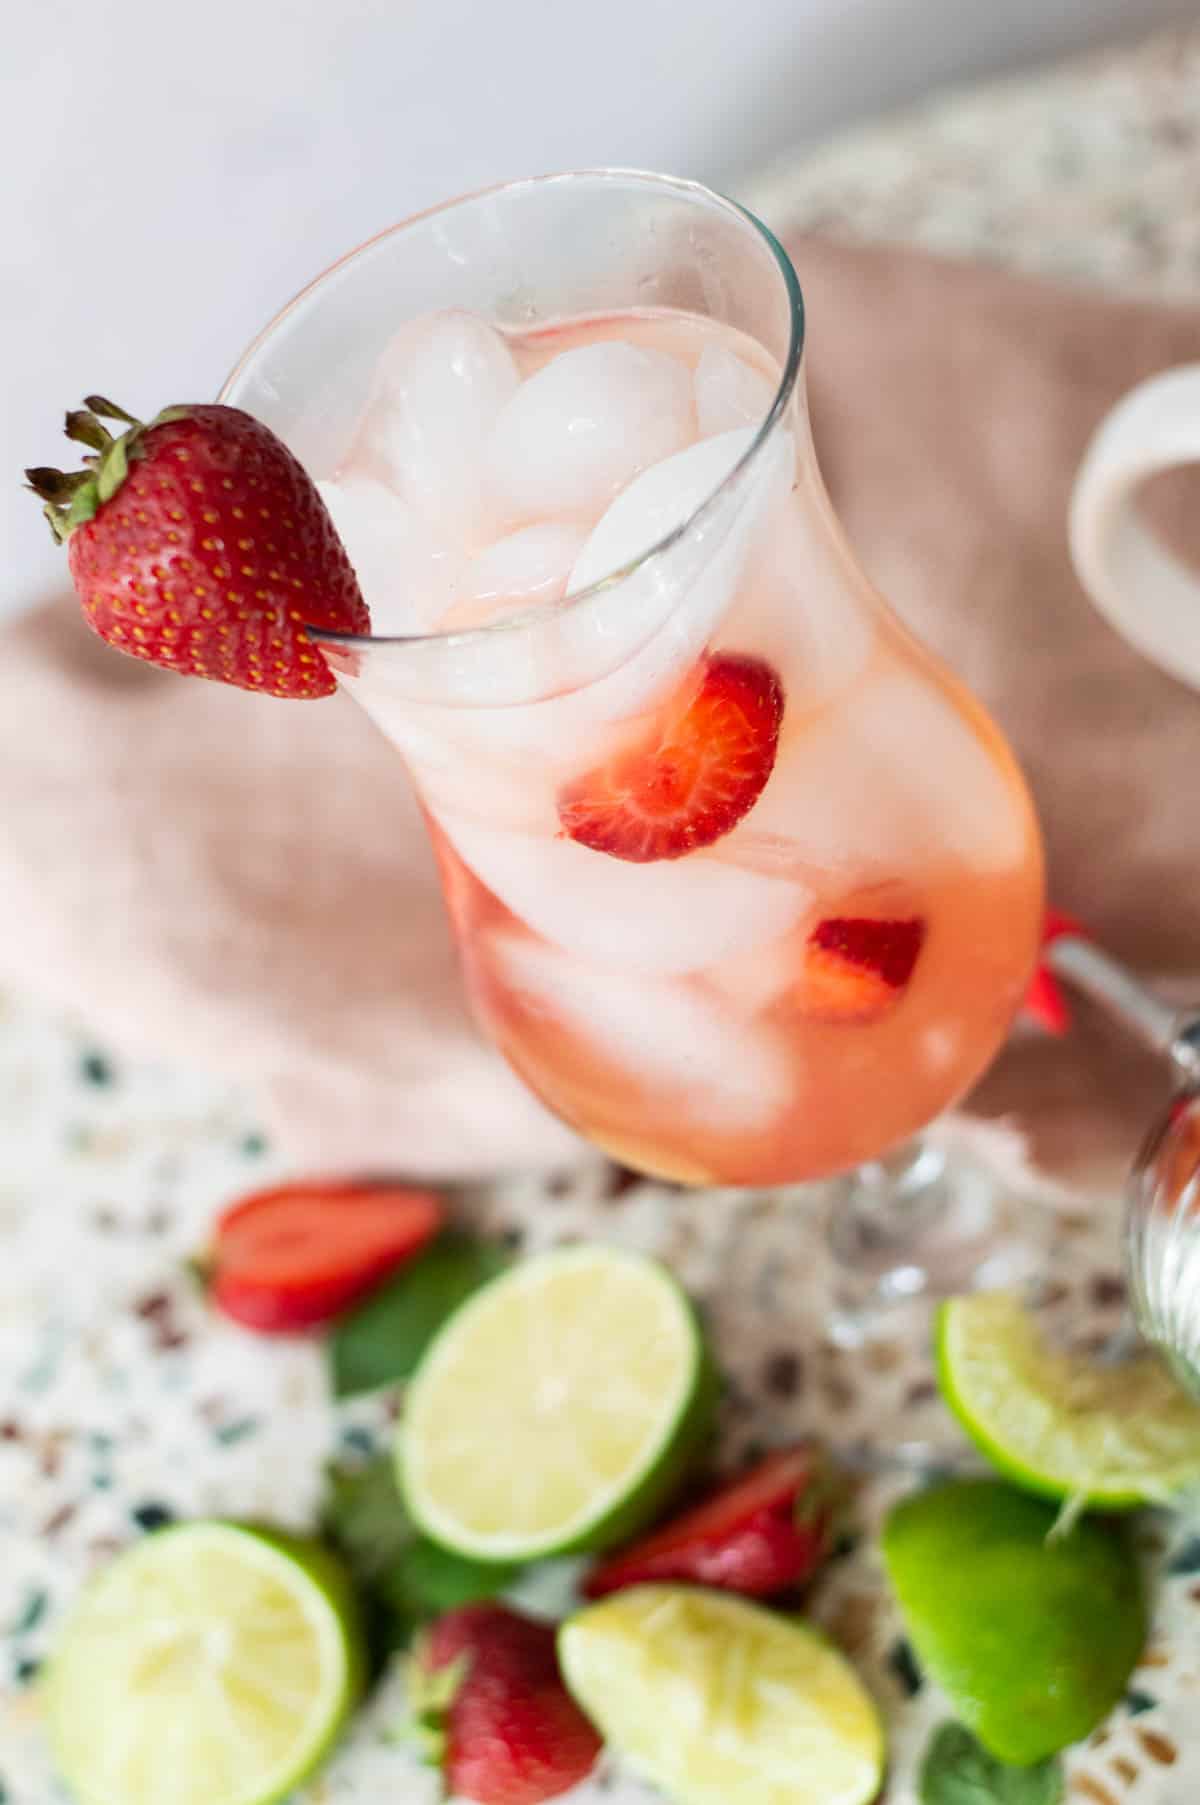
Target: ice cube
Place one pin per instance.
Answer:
(888, 783)
(657, 502)
(729, 392)
(405, 574)
(439, 388)
(669, 1037)
(665, 612)
(801, 606)
(581, 427)
(528, 569)
(757, 977)
(950, 782)
(677, 915)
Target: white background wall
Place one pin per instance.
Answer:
(174, 169)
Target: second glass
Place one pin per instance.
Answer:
(799, 986)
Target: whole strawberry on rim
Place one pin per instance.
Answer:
(199, 543)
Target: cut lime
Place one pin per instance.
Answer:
(558, 1408)
(720, 1702)
(208, 1665)
(1059, 1424)
(1031, 1634)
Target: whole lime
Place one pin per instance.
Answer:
(1032, 1634)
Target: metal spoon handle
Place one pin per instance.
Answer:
(1158, 1025)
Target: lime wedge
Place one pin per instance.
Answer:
(720, 1702)
(557, 1410)
(1059, 1424)
(208, 1665)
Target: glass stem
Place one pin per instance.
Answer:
(884, 1200)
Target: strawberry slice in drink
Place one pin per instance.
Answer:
(692, 778)
(766, 1532)
(856, 967)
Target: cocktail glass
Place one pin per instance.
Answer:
(797, 994)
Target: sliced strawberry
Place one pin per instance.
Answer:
(491, 1709)
(856, 968)
(766, 1532)
(692, 778)
(1046, 1000)
(292, 1258)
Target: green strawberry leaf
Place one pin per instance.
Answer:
(382, 1341)
(405, 1579)
(957, 1770)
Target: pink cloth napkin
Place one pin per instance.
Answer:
(245, 883)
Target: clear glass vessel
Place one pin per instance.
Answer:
(840, 953)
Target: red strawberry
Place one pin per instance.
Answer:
(198, 542)
(492, 1710)
(766, 1532)
(856, 968)
(1045, 1000)
(692, 778)
(294, 1257)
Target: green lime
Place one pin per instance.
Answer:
(212, 1663)
(558, 1408)
(1031, 1634)
(1059, 1424)
(720, 1702)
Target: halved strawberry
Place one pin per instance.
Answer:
(293, 1257)
(692, 778)
(768, 1531)
(856, 968)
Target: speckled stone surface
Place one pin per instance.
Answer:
(124, 1403)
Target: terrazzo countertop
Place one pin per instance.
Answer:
(123, 1403)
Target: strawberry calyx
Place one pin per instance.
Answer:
(71, 498)
(430, 1692)
(822, 1501)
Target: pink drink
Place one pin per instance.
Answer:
(841, 962)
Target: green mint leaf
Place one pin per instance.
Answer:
(382, 1341)
(957, 1770)
(405, 1578)
(426, 1580)
(363, 1515)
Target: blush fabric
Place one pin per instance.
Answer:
(246, 884)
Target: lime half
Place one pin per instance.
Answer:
(557, 1409)
(1059, 1424)
(720, 1702)
(209, 1665)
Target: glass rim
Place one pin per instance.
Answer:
(660, 547)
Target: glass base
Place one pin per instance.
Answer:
(919, 1226)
